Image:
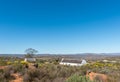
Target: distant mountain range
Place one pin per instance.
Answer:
(81, 54)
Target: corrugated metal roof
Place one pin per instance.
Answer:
(72, 61)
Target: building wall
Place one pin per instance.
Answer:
(30, 59)
(73, 64)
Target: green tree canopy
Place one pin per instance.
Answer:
(30, 52)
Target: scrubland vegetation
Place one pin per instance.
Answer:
(49, 70)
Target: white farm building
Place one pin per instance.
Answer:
(30, 60)
(72, 62)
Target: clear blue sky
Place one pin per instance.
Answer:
(60, 26)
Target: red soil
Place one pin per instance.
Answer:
(18, 78)
(99, 76)
(3, 67)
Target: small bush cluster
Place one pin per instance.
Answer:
(78, 78)
(50, 73)
(5, 75)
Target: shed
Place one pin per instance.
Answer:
(73, 62)
(30, 60)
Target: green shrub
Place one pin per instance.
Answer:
(5, 75)
(3, 63)
(77, 78)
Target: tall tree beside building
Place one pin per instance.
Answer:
(30, 52)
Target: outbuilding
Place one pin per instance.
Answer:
(30, 60)
(73, 62)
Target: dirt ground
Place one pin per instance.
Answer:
(3, 67)
(18, 78)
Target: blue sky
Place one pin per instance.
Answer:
(60, 26)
